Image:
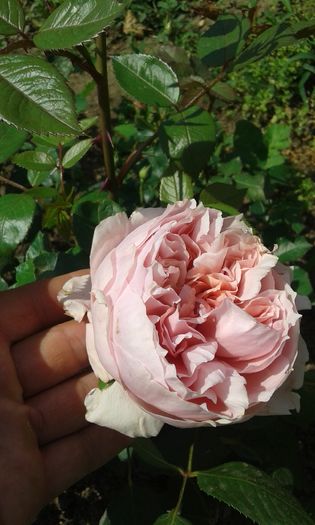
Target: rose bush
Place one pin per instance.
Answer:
(191, 316)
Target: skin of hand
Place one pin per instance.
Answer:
(46, 444)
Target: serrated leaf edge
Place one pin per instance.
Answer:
(103, 30)
(117, 57)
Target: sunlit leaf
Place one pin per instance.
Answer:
(35, 97)
(279, 35)
(74, 154)
(189, 136)
(225, 38)
(176, 187)
(16, 216)
(34, 160)
(147, 79)
(76, 21)
(301, 281)
(25, 272)
(254, 184)
(11, 17)
(290, 251)
(11, 139)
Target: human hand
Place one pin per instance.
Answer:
(46, 444)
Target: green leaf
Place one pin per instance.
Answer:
(284, 477)
(253, 493)
(11, 139)
(301, 282)
(224, 197)
(277, 137)
(76, 21)
(88, 122)
(11, 17)
(34, 96)
(147, 79)
(148, 452)
(176, 187)
(88, 211)
(42, 192)
(249, 143)
(47, 178)
(51, 140)
(225, 38)
(171, 519)
(105, 519)
(74, 154)
(3, 284)
(290, 251)
(25, 273)
(127, 131)
(34, 160)
(189, 137)
(254, 184)
(224, 91)
(16, 217)
(282, 34)
(43, 260)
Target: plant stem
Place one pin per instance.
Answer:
(9, 182)
(105, 117)
(20, 44)
(204, 90)
(61, 169)
(135, 156)
(130, 484)
(186, 475)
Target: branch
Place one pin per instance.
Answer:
(105, 117)
(9, 182)
(20, 44)
(134, 157)
(76, 61)
(205, 89)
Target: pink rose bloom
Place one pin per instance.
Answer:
(192, 318)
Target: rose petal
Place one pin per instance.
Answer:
(240, 336)
(107, 235)
(142, 215)
(284, 399)
(95, 363)
(251, 282)
(75, 296)
(113, 408)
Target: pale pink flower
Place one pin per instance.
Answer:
(193, 318)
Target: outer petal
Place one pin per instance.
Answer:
(108, 234)
(142, 215)
(251, 283)
(113, 408)
(95, 363)
(75, 296)
(285, 399)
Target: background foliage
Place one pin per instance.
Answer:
(176, 99)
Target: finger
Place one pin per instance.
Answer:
(60, 411)
(10, 387)
(70, 459)
(32, 308)
(50, 357)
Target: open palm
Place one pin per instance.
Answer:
(45, 442)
